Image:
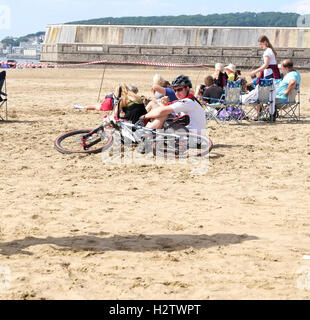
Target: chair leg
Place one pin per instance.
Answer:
(4, 107)
(289, 112)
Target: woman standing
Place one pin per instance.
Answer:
(269, 69)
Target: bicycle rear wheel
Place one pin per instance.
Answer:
(71, 142)
(186, 146)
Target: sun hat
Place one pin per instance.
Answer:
(231, 67)
(219, 67)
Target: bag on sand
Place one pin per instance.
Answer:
(231, 113)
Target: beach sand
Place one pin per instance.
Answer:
(75, 228)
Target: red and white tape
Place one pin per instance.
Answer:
(49, 65)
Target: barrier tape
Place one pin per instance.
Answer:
(5, 65)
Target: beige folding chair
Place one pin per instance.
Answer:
(289, 110)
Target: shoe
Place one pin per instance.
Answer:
(272, 118)
(77, 106)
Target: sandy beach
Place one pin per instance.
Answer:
(74, 228)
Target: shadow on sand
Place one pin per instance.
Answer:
(131, 243)
(17, 121)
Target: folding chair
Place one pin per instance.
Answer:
(3, 96)
(290, 110)
(263, 98)
(211, 109)
(230, 107)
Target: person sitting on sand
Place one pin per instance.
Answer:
(160, 88)
(187, 104)
(107, 103)
(130, 106)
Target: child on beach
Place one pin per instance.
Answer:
(130, 106)
(161, 89)
(107, 104)
(231, 72)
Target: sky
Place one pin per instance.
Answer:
(21, 17)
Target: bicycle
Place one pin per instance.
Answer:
(180, 144)
(167, 142)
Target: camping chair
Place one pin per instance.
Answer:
(3, 96)
(263, 96)
(290, 110)
(230, 107)
(211, 109)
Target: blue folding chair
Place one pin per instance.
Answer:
(262, 105)
(225, 108)
(231, 105)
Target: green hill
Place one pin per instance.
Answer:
(17, 40)
(246, 19)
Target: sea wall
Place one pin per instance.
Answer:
(207, 45)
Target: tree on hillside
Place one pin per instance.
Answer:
(262, 19)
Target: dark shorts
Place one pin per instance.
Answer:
(134, 112)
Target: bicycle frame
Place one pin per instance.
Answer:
(162, 143)
(137, 133)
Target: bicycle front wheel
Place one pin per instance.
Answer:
(186, 145)
(72, 142)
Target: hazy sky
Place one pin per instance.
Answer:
(21, 17)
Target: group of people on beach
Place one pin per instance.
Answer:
(180, 97)
(168, 99)
(285, 76)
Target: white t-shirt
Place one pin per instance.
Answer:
(196, 114)
(268, 52)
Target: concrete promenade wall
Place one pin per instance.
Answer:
(207, 45)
